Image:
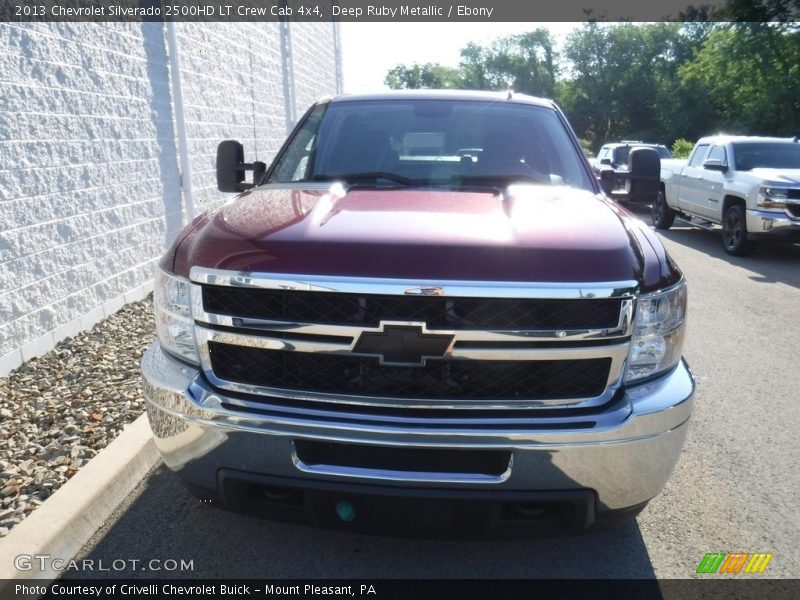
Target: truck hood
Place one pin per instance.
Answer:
(780, 176)
(529, 233)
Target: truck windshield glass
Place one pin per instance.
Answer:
(432, 143)
(766, 155)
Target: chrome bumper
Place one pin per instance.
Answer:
(771, 223)
(626, 461)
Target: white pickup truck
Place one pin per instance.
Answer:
(748, 185)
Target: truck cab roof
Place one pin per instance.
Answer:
(723, 138)
(482, 96)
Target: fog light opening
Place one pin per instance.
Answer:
(345, 511)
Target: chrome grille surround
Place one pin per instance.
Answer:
(467, 345)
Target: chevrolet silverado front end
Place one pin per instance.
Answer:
(426, 319)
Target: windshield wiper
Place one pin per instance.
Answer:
(371, 177)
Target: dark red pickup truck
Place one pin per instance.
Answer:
(425, 317)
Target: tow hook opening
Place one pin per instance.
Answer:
(281, 495)
(538, 511)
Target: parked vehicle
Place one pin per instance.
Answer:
(616, 154)
(423, 318)
(616, 157)
(748, 185)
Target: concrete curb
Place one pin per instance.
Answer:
(67, 520)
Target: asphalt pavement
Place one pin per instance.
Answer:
(735, 488)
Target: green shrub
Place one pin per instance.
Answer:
(586, 146)
(682, 148)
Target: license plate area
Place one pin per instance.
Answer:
(342, 458)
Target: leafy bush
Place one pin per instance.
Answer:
(586, 146)
(682, 148)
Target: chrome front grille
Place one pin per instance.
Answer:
(487, 380)
(278, 339)
(438, 312)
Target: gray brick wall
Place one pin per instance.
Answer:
(89, 172)
(233, 89)
(311, 71)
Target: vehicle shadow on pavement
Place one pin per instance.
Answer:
(770, 262)
(161, 520)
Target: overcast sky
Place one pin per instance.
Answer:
(370, 50)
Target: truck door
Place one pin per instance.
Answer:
(710, 187)
(690, 190)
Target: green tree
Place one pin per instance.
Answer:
(473, 68)
(524, 63)
(427, 76)
(747, 11)
(621, 80)
(749, 77)
(657, 82)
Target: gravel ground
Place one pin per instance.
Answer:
(59, 410)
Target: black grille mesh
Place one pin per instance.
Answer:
(439, 379)
(437, 312)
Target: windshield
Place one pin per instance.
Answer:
(622, 154)
(770, 155)
(664, 152)
(432, 143)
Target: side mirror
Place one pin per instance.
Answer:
(607, 180)
(715, 164)
(231, 167)
(645, 175)
(605, 161)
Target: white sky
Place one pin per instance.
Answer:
(370, 50)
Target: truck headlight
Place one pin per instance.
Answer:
(658, 330)
(173, 313)
(772, 197)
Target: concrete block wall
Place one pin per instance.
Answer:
(309, 45)
(232, 83)
(234, 87)
(90, 182)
